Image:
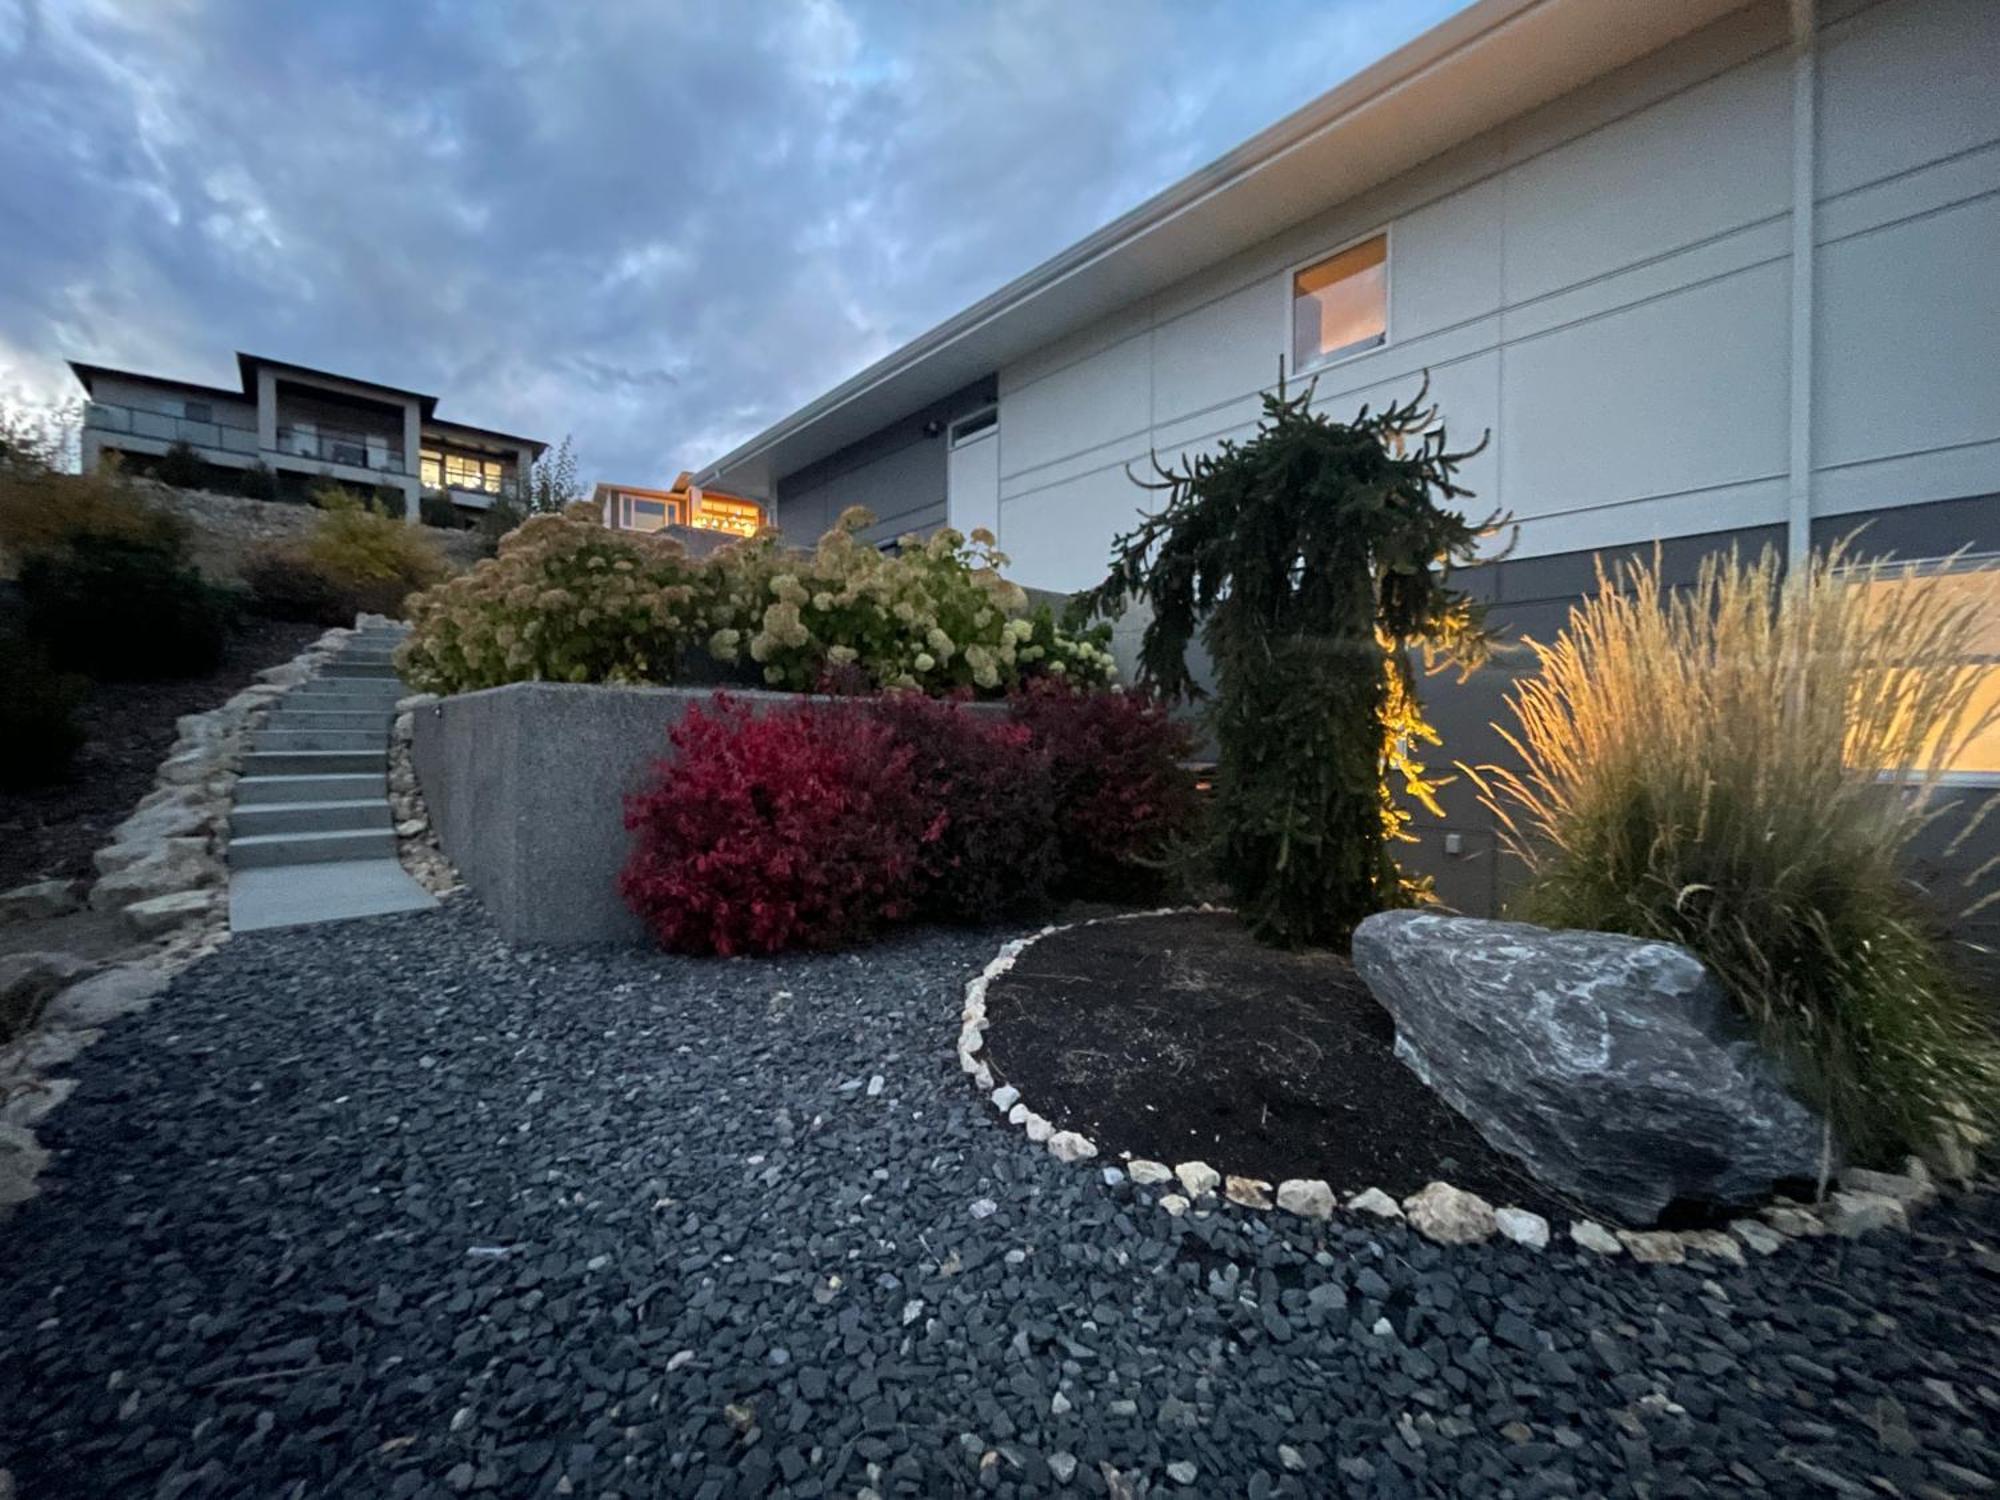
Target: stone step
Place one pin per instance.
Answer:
(367, 762)
(261, 791)
(251, 819)
(267, 850)
(332, 738)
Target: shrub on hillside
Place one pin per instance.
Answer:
(989, 849)
(1705, 767)
(565, 600)
(259, 482)
(797, 829)
(1119, 787)
(44, 511)
(39, 734)
(125, 608)
(285, 585)
(181, 467)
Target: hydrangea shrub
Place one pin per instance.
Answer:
(565, 599)
(568, 600)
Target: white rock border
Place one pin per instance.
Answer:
(1866, 1201)
(163, 872)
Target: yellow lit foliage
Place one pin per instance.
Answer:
(1742, 767)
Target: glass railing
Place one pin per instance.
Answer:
(356, 450)
(222, 437)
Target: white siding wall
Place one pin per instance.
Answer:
(1604, 283)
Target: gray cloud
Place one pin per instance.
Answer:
(657, 225)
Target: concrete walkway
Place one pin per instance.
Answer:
(311, 838)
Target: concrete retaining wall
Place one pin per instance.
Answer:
(526, 786)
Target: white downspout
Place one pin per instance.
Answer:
(1805, 100)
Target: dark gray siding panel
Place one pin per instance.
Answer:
(898, 472)
(1531, 597)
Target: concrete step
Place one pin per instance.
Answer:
(297, 895)
(345, 693)
(262, 791)
(373, 719)
(340, 667)
(266, 851)
(252, 819)
(337, 738)
(317, 762)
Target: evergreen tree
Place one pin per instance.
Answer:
(1310, 559)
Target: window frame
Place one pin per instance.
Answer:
(1386, 233)
(1964, 562)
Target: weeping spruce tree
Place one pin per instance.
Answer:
(1310, 560)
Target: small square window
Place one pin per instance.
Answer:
(1340, 305)
(198, 411)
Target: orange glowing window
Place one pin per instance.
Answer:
(1977, 757)
(719, 513)
(1340, 305)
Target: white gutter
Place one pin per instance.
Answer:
(1805, 90)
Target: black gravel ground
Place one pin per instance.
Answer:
(386, 1209)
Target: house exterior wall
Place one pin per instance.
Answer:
(898, 473)
(1605, 285)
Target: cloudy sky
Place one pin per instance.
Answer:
(657, 225)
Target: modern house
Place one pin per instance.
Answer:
(1709, 272)
(305, 426)
(628, 508)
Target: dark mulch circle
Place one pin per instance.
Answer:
(1181, 1037)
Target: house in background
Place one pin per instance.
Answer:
(1711, 273)
(628, 508)
(306, 426)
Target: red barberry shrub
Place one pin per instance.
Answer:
(1118, 782)
(797, 828)
(990, 849)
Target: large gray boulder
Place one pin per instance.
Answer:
(1614, 1068)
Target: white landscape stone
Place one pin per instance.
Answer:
(1198, 1178)
(167, 872)
(162, 914)
(1791, 1220)
(1005, 1097)
(1039, 1130)
(1653, 1247)
(1308, 1197)
(1851, 1213)
(1594, 1237)
(1912, 1188)
(1174, 1204)
(1247, 1192)
(1017, 1114)
(113, 858)
(1375, 1201)
(1148, 1173)
(1714, 1243)
(1068, 1146)
(1523, 1228)
(1449, 1215)
(1759, 1237)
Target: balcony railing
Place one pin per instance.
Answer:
(355, 450)
(135, 421)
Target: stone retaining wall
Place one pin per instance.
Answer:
(526, 788)
(225, 529)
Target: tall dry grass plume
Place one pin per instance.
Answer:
(1742, 767)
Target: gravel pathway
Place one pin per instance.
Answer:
(386, 1209)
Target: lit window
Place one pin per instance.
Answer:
(464, 471)
(716, 513)
(432, 466)
(1979, 757)
(1340, 305)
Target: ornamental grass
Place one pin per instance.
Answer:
(1743, 767)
